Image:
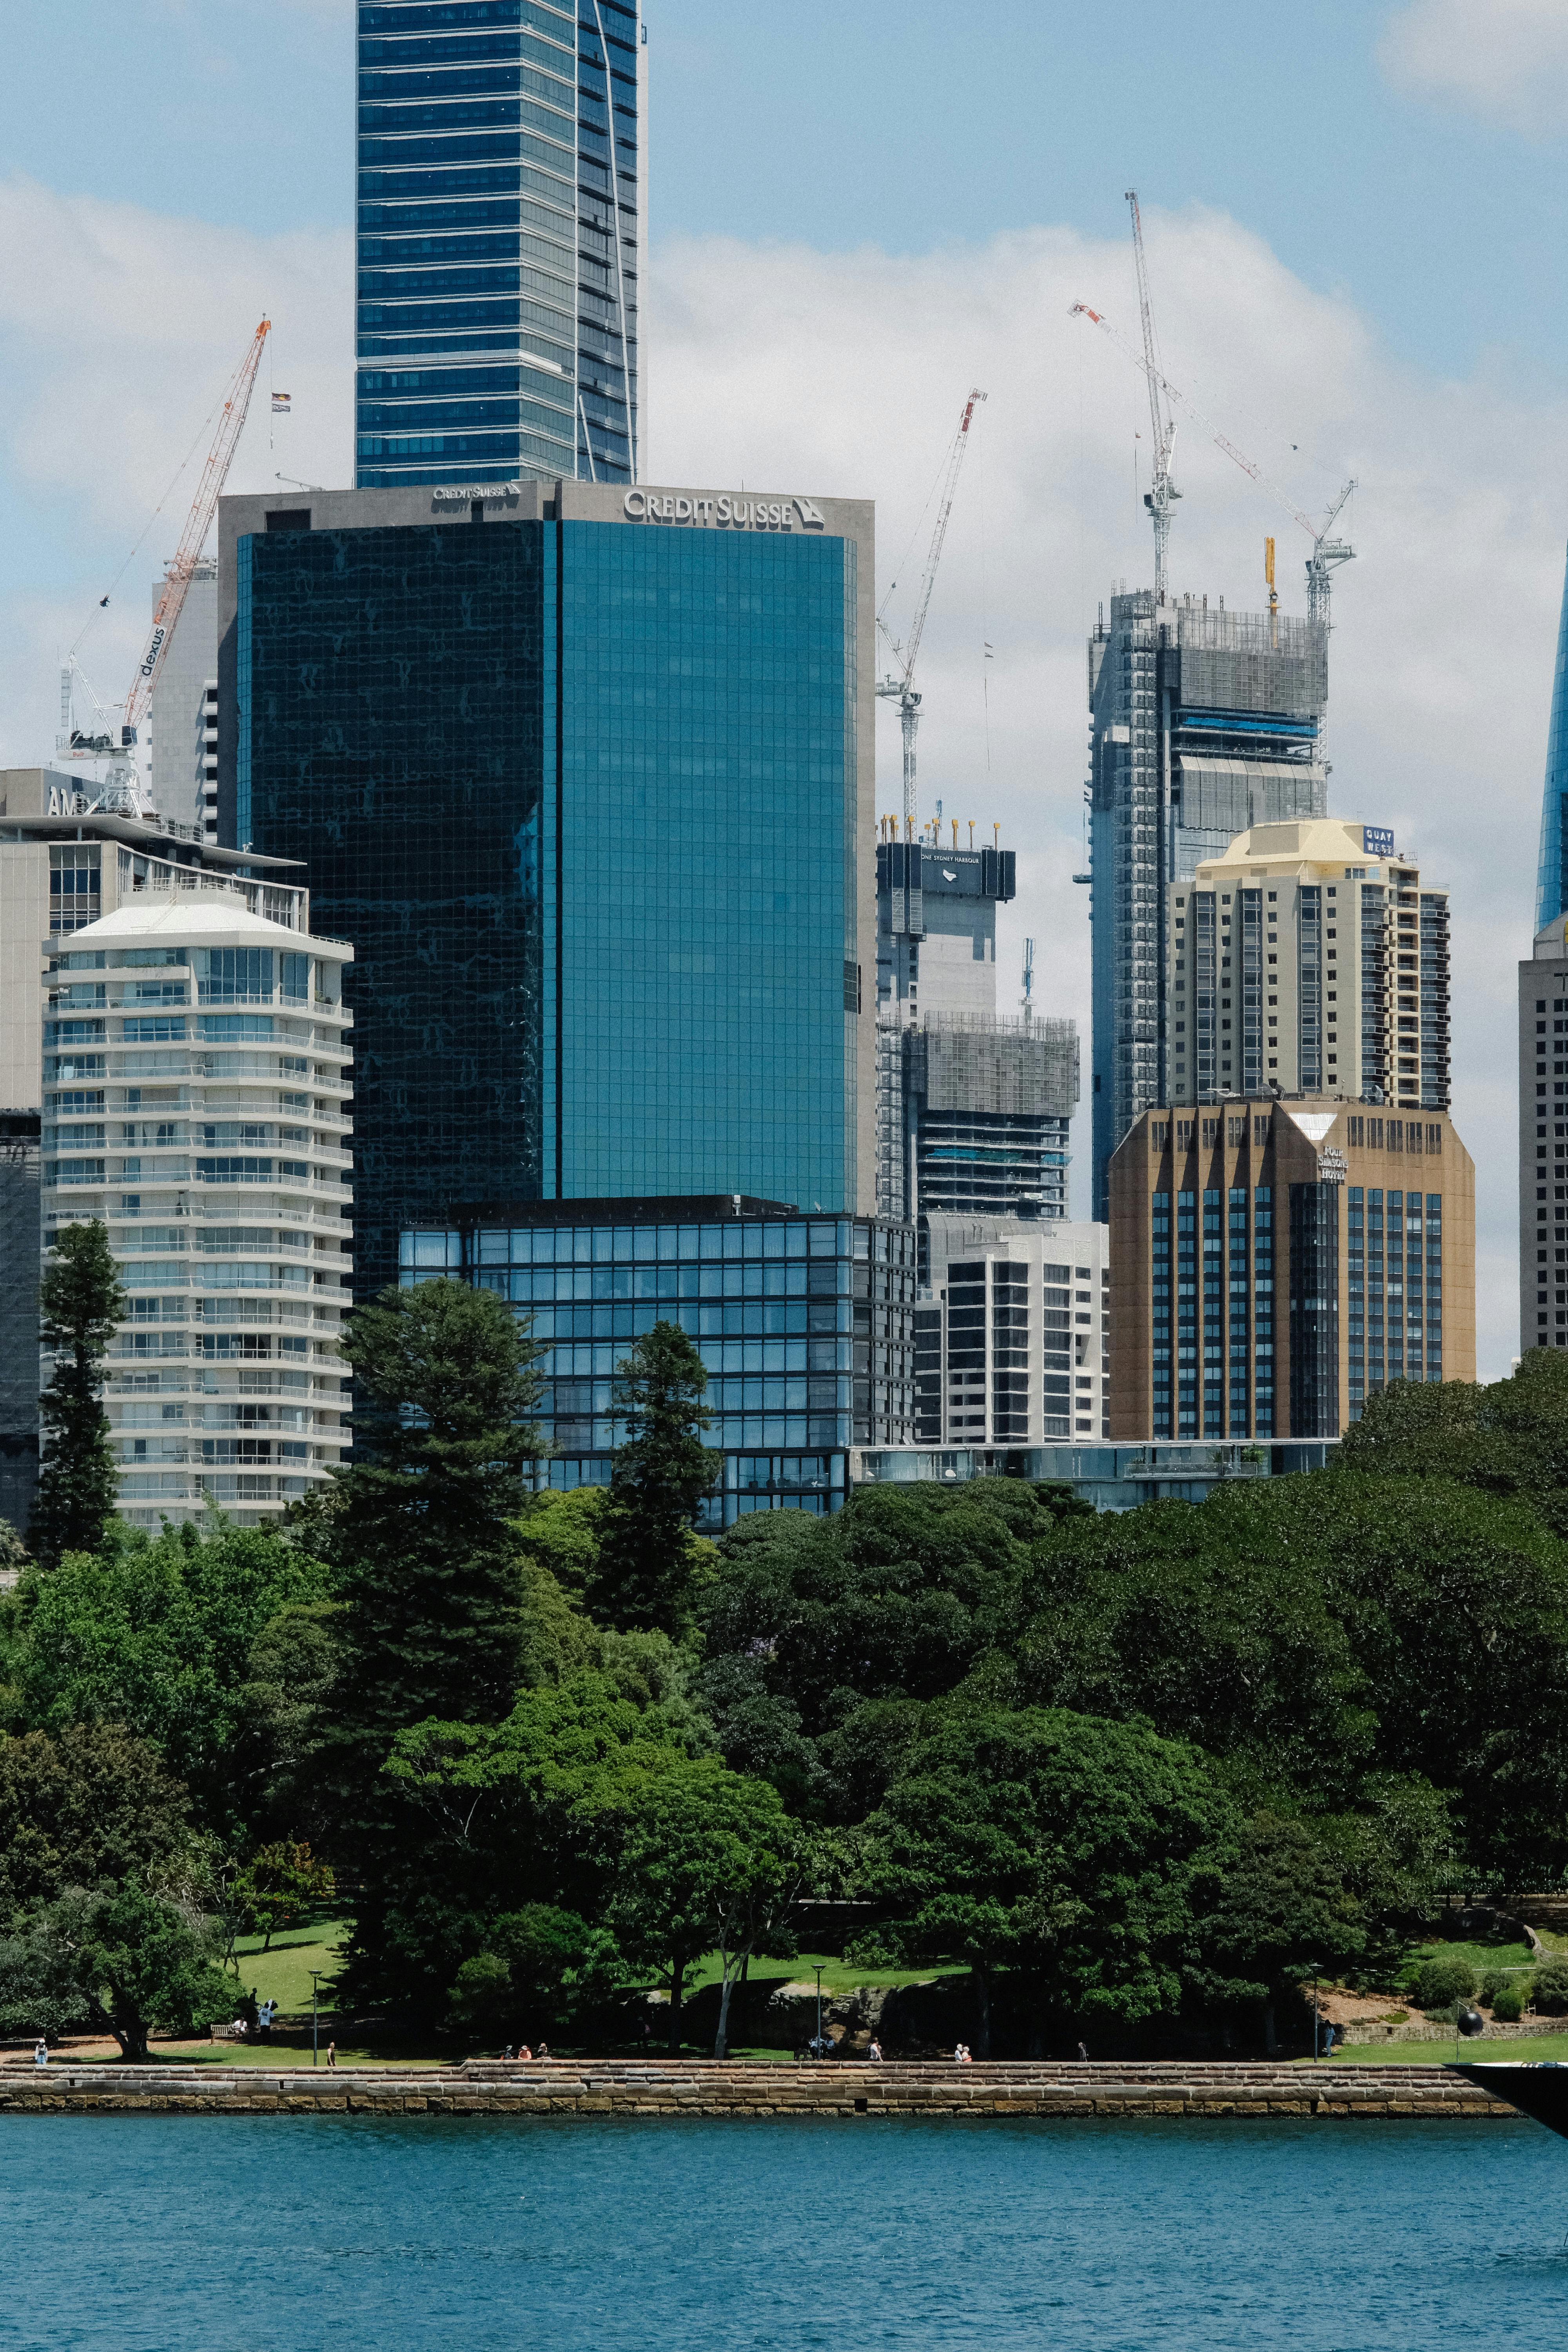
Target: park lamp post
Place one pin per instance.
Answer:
(1317, 2038)
(316, 1976)
(817, 2052)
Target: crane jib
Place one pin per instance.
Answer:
(150, 662)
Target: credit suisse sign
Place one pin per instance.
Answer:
(704, 513)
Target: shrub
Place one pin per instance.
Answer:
(1492, 1983)
(1444, 1981)
(1549, 1993)
(1507, 2001)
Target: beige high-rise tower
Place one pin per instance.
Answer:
(1309, 959)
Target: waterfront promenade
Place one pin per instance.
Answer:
(600, 2087)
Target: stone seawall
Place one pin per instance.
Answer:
(703, 2087)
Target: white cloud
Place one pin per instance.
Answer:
(786, 369)
(1504, 60)
(120, 329)
(846, 374)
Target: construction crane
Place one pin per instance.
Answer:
(901, 687)
(1163, 491)
(111, 733)
(1328, 553)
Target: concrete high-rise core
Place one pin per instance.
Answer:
(973, 1107)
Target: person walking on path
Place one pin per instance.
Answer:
(40, 2051)
(332, 2053)
(874, 2051)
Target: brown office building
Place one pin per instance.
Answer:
(1273, 1264)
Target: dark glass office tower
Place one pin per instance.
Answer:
(584, 792)
(500, 226)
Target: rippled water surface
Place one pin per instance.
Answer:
(156, 2234)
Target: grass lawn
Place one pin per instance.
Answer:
(1482, 1957)
(283, 1974)
(838, 1976)
(1528, 2047)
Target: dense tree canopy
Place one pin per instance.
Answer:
(1130, 1772)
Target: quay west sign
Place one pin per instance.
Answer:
(721, 513)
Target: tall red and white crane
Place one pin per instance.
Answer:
(113, 736)
(900, 688)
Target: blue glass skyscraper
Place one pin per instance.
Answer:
(585, 784)
(1551, 872)
(501, 217)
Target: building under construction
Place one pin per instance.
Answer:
(1203, 723)
(973, 1107)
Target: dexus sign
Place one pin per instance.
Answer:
(721, 513)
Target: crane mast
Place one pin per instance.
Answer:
(1162, 492)
(102, 740)
(901, 687)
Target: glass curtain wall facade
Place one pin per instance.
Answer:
(804, 1326)
(1551, 872)
(501, 219)
(584, 799)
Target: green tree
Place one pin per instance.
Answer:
(485, 1819)
(1071, 1850)
(279, 1884)
(90, 1806)
(81, 1303)
(662, 1471)
(704, 1855)
(541, 1964)
(158, 1633)
(126, 1960)
(435, 1624)
(1281, 1913)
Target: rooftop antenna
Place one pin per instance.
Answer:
(1029, 977)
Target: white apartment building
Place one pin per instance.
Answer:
(1011, 1346)
(196, 1084)
(1308, 960)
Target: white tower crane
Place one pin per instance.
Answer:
(1160, 498)
(111, 734)
(901, 687)
(1327, 555)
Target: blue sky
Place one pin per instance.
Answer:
(904, 125)
(1356, 216)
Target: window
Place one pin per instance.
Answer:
(237, 975)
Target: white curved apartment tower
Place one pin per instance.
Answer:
(196, 1087)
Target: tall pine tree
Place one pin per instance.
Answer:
(661, 1472)
(423, 1530)
(81, 1302)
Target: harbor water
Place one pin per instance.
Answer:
(278, 2234)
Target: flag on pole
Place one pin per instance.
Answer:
(280, 401)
